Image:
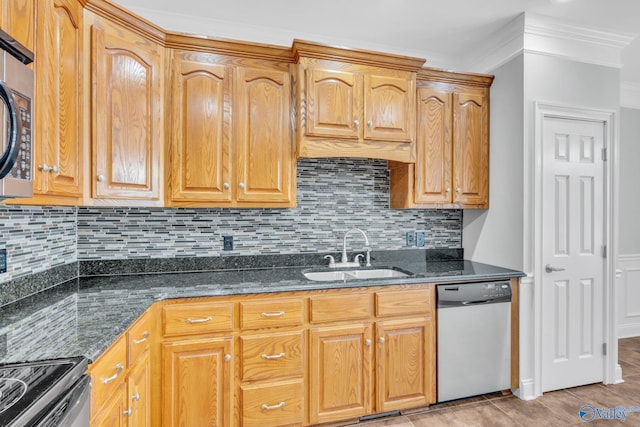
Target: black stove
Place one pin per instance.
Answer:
(29, 390)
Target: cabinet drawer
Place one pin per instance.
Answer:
(108, 373)
(139, 338)
(197, 318)
(274, 404)
(418, 301)
(268, 314)
(340, 307)
(272, 356)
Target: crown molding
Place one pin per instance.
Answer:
(630, 95)
(549, 36)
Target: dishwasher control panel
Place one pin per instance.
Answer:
(474, 293)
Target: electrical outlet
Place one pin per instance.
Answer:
(411, 238)
(3, 260)
(227, 243)
(420, 239)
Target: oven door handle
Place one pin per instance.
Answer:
(10, 153)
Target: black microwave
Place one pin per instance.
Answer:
(16, 113)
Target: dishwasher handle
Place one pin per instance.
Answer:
(479, 302)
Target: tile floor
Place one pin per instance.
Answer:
(558, 408)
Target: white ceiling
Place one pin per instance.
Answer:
(444, 32)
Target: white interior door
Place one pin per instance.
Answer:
(572, 252)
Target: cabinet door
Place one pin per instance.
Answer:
(263, 143)
(196, 382)
(18, 20)
(433, 146)
(333, 103)
(113, 412)
(139, 392)
(59, 94)
(126, 113)
(201, 119)
(405, 374)
(340, 372)
(471, 147)
(389, 108)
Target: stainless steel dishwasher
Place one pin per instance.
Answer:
(474, 339)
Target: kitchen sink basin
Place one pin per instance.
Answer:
(342, 275)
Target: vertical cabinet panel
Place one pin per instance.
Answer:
(333, 108)
(18, 20)
(433, 148)
(340, 373)
(59, 93)
(263, 136)
(471, 146)
(126, 114)
(139, 392)
(196, 382)
(201, 120)
(389, 108)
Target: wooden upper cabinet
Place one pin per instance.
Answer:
(471, 147)
(452, 146)
(333, 103)
(201, 127)
(433, 148)
(17, 20)
(264, 145)
(59, 90)
(231, 133)
(126, 113)
(389, 108)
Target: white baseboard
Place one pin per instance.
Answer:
(526, 390)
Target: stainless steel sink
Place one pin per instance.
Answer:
(342, 275)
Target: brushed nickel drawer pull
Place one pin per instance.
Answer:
(278, 314)
(203, 320)
(119, 369)
(271, 357)
(145, 337)
(268, 408)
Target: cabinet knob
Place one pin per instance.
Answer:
(370, 123)
(128, 412)
(381, 340)
(44, 167)
(356, 122)
(458, 190)
(448, 189)
(367, 342)
(100, 178)
(136, 396)
(241, 185)
(225, 185)
(55, 169)
(227, 358)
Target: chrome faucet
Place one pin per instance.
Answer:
(345, 260)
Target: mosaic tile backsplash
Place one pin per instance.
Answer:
(333, 196)
(37, 238)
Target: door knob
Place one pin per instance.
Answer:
(550, 269)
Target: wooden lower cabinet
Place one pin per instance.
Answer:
(405, 371)
(113, 410)
(340, 372)
(272, 404)
(139, 393)
(197, 382)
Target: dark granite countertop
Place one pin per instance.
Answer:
(83, 316)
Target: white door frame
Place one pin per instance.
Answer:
(612, 371)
